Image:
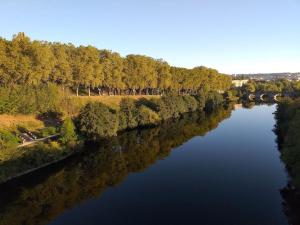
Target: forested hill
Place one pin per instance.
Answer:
(26, 62)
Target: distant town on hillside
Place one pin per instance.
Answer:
(268, 76)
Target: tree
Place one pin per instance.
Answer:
(113, 67)
(249, 87)
(62, 72)
(26, 62)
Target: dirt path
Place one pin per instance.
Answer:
(37, 140)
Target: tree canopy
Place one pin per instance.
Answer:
(101, 71)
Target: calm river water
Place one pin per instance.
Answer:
(222, 168)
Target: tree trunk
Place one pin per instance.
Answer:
(77, 90)
(89, 91)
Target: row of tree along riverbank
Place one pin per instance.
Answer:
(288, 136)
(88, 69)
(97, 121)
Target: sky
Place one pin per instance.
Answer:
(233, 36)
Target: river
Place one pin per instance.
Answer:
(222, 168)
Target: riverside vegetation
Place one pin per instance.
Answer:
(45, 80)
(288, 138)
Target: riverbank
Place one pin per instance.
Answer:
(97, 121)
(287, 130)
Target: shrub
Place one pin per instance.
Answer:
(231, 95)
(67, 132)
(201, 100)
(147, 117)
(97, 120)
(48, 131)
(213, 100)
(150, 103)
(128, 115)
(191, 103)
(8, 139)
(172, 105)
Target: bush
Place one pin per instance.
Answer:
(8, 139)
(128, 115)
(213, 100)
(97, 120)
(67, 132)
(231, 95)
(147, 117)
(48, 131)
(191, 103)
(201, 100)
(172, 106)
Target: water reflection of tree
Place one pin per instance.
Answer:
(106, 165)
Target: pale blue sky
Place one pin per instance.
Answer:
(233, 36)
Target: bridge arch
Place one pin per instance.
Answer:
(261, 96)
(277, 95)
(251, 97)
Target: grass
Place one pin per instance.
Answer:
(11, 122)
(114, 100)
(30, 122)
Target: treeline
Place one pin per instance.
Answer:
(288, 131)
(37, 99)
(97, 120)
(105, 165)
(288, 137)
(86, 68)
(281, 85)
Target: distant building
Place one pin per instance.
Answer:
(239, 83)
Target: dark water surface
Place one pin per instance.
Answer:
(218, 169)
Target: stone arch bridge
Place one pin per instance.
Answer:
(263, 96)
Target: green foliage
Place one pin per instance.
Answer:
(25, 62)
(48, 131)
(281, 85)
(190, 102)
(147, 117)
(67, 132)
(249, 87)
(201, 100)
(288, 131)
(128, 115)
(213, 100)
(30, 99)
(97, 120)
(232, 95)
(173, 105)
(8, 139)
